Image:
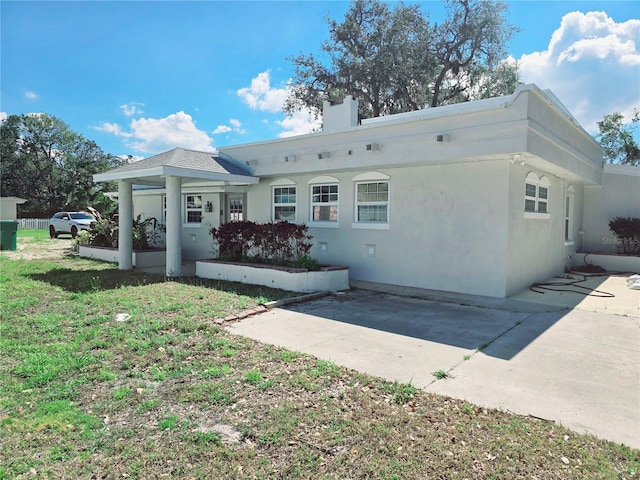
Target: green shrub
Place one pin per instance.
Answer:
(146, 233)
(627, 230)
(274, 243)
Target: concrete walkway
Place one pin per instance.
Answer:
(579, 368)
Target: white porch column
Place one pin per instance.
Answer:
(125, 225)
(174, 227)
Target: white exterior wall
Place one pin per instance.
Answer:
(447, 228)
(619, 196)
(196, 240)
(456, 205)
(536, 250)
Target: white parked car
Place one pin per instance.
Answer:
(69, 222)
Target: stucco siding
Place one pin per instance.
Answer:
(619, 196)
(447, 227)
(196, 240)
(536, 247)
(567, 148)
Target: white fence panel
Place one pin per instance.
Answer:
(33, 223)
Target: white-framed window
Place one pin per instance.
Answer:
(568, 216)
(324, 203)
(236, 208)
(193, 209)
(324, 199)
(284, 203)
(372, 202)
(536, 196)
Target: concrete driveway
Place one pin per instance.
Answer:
(579, 368)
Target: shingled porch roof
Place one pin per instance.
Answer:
(190, 165)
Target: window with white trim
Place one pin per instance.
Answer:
(536, 194)
(284, 203)
(324, 203)
(372, 202)
(193, 208)
(568, 216)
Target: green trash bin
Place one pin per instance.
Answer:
(8, 234)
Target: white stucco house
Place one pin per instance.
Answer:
(483, 198)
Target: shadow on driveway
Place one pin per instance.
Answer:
(466, 327)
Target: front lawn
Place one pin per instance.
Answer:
(110, 374)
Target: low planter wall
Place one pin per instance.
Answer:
(611, 263)
(294, 280)
(98, 253)
(149, 258)
(140, 258)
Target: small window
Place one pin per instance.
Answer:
(236, 208)
(193, 207)
(324, 203)
(284, 203)
(372, 202)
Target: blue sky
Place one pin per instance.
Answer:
(143, 77)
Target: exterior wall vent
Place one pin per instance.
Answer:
(442, 138)
(290, 158)
(373, 147)
(323, 155)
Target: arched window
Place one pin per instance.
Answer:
(536, 194)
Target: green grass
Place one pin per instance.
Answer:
(152, 397)
(33, 236)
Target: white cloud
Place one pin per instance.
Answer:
(132, 108)
(153, 135)
(298, 124)
(31, 95)
(3, 116)
(114, 129)
(235, 126)
(222, 129)
(592, 64)
(261, 96)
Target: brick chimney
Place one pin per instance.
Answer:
(338, 116)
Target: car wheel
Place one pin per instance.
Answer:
(74, 231)
(52, 232)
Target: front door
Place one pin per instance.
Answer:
(234, 209)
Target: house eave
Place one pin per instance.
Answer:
(157, 175)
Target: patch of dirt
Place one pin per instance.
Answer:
(30, 249)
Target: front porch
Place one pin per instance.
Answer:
(175, 171)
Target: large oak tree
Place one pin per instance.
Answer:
(50, 165)
(617, 140)
(393, 60)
